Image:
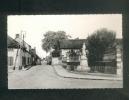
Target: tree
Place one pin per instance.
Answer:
(51, 39)
(98, 42)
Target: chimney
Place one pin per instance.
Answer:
(17, 36)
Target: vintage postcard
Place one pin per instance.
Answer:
(79, 51)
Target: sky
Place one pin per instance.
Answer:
(35, 26)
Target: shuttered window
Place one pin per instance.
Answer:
(28, 60)
(10, 61)
(23, 61)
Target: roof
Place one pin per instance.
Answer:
(11, 43)
(72, 43)
(38, 56)
(77, 43)
(32, 51)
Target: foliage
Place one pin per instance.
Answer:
(56, 53)
(98, 42)
(51, 39)
(72, 53)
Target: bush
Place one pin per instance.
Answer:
(98, 42)
(56, 53)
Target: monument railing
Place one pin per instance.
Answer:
(108, 67)
(104, 69)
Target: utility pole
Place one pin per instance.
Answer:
(24, 63)
(16, 57)
(24, 51)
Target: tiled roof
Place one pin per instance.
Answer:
(11, 43)
(72, 43)
(77, 43)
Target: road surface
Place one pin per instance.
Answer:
(44, 77)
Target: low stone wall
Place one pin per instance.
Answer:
(55, 61)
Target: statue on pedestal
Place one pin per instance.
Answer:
(83, 60)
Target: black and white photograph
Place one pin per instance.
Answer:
(70, 51)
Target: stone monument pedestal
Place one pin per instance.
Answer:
(83, 61)
(83, 66)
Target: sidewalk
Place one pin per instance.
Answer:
(94, 76)
(10, 70)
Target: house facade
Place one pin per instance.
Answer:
(71, 50)
(20, 54)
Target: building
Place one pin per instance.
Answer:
(72, 46)
(38, 60)
(20, 54)
(71, 51)
(14, 50)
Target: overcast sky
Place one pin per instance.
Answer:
(75, 25)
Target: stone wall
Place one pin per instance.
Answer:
(55, 61)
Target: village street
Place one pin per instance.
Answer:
(44, 76)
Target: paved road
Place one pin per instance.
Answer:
(44, 77)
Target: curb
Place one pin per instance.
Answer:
(28, 68)
(57, 72)
(81, 77)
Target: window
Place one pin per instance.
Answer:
(28, 60)
(10, 61)
(23, 61)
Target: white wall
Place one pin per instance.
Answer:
(55, 61)
(13, 54)
(64, 52)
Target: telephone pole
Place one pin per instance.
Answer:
(24, 58)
